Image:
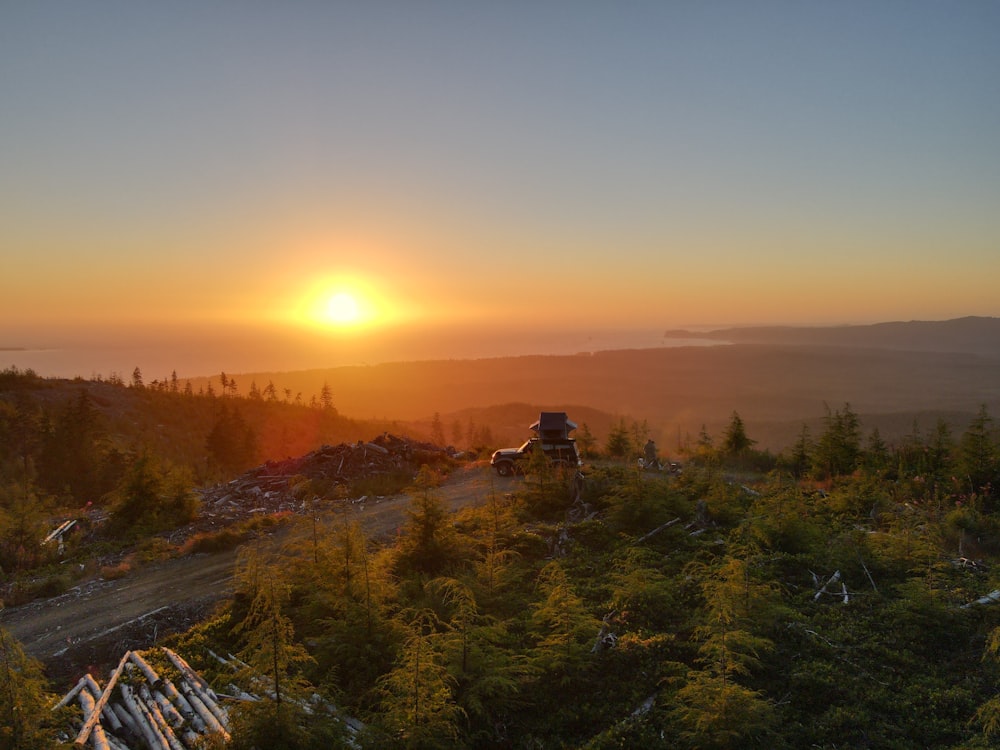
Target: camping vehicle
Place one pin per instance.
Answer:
(552, 434)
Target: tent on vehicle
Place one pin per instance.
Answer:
(553, 425)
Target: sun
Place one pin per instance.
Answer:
(342, 309)
(344, 305)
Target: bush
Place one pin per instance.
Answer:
(215, 541)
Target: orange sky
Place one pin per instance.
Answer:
(202, 179)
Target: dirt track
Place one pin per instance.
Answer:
(97, 620)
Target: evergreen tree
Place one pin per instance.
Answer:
(326, 397)
(429, 543)
(978, 452)
(876, 454)
(736, 442)
(27, 721)
(437, 430)
(839, 448)
(231, 443)
(270, 392)
(618, 444)
(586, 441)
(152, 497)
(418, 704)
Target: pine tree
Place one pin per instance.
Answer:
(736, 442)
(26, 719)
(618, 444)
(418, 703)
(978, 452)
(437, 430)
(586, 440)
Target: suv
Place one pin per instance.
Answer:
(561, 451)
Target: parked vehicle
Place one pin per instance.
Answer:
(562, 452)
(552, 429)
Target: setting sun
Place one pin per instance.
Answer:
(340, 304)
(342, 309)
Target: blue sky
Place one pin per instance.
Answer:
(593, 165)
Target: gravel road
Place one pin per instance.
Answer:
(90, 625)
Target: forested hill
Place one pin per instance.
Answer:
(774, 387)
(970, 335)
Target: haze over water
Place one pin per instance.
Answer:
(158, 362)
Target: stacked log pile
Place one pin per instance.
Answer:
(269, 488)
(138, 709)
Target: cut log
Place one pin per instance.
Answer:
(212, 724)
(187, 711)
(90, 710)
(129, 726)
(66, 699)
(88, 725)
(154, 738)
(148, 672)
(185, 669)
(158, 718)
(991, 598)
(168, 709)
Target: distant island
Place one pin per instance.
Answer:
(970, 335)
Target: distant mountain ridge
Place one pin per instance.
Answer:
(969, 335)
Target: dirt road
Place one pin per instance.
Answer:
(93, 623)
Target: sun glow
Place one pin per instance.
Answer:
(342, 309)
(341, 305)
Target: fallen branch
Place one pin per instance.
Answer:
(991, 598)
(657, 530)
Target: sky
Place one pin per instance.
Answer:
(192, 183)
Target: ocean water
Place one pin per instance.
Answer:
(157, 362)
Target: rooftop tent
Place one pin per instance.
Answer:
(553, 424)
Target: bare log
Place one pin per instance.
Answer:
(211, 722)
(605, 638)
(190, 715)
(158, 718)
(107, 714)
(657, 530)
(148, 672)
(90, 710)
(185, 669)
(131, 705)
(169, 710)
(154, 737)
(991, 598)
(127, 720)
(833, 579)
(94, 718)
(71, 694)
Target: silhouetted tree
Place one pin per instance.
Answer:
(437, 430)
(231, 442)
(978, 452)
(618, 444)
(839, 447)
(735, 442)
(585, 440)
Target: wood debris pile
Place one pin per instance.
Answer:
(270, 488)
(138, 709)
